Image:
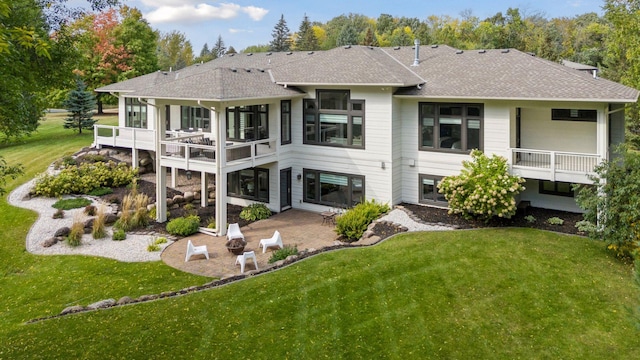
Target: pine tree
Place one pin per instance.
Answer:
(348, 35)
(280, 33)
(369, 38)
(80, 103)
(306, 39)
(218, 49)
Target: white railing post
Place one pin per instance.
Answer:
(552, 165)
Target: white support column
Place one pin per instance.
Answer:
(161, 171)
(204, 193)
(134, 157)
(221, 176)
(602, 132)
(174, 175)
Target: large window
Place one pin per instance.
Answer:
(333, 189)
(285, 122)
(334, 119)
(574, 115)
(555, 188)
(450, 127)
(250, 184)
(195, 117)
(248, 123)
(136, 113)
(429, 190)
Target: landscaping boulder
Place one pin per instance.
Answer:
(102, 304)
(178, 199)
(89, 223)
(124, 300)
(62, 232)
(196, 195)
(72, 309)
(50, 242)
(188, 196)
(110, 219)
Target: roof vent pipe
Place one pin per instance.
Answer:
(416, 61)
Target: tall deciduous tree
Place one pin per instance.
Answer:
(80, 104)
(139, 40)
(281, 36)
(6, 170)
(174, 51)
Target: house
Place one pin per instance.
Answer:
(313, 130)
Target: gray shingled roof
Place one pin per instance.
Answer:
(443, 72)
(352, 65)
(219, 84)
(502, 74)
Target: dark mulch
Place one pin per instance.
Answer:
(436, 215)
(205, 213)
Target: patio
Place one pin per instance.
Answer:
(303, 229)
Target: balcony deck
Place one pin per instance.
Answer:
(554, 165)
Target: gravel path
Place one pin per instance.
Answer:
(400, 217)
(133, 249)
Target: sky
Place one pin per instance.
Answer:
(242, 23)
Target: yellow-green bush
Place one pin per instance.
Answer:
(84, 179)
(353, 223)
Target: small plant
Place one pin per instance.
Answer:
(77, 230)
(190, 209)
(530, 219)
(118, 235)
(101, 191)
(59, 214)
(153, 247)
(113, 199)
(152, 213)
(586, 227)
(184, 226)
(69, 161)
(555, 221)
(99, 231)
(94, 158)
(74, 203)
(161, 240)
(283, 253)
(253, 212)
(211, 223)
(90, 210)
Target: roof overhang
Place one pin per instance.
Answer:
(613, 101)
(134, 96)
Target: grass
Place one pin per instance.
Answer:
(74, 203)
(490, 294)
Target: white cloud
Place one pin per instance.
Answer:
(178, 11)
(255, 13)
(235, 31)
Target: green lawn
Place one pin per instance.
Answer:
(495, 293)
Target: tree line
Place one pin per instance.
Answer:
(47, 47)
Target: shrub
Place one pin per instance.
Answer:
(484, 188)
(59, 214)
(84, 178)
(99, 231)
(75, 234)
(586, 227)
(101, 191)
(555, 221)
(353, 223)
(211, 223)
(68, 204)
(69, 161)
(94, 158)
(530, 219)
(90, 210)
(283, 253)
(184, 226)
(119, 235)
(153, 247)
(161, 240)
(253, 212)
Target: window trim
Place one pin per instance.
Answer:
(582, 115)
(317, 200)
(135, 105)
(555, 191)
(350, 114)
(436, 179)
(285, 124)
(464, 139)
(256, 111)
(256, 175)
(191, 117)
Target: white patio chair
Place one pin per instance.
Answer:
(196, 250)
(233, 232)
(276, 239)
(242, 260)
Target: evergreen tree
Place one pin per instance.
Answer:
(369, 38)
(306, 39)
(80, 103)
(205, 51)
(347, 36)
(280, 33)
(231, 50)
(219, 49)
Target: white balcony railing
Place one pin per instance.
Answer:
(551, 163)
(132, 138)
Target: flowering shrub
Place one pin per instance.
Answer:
(84, 178)
(483, 189)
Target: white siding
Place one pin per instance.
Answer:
(532, 194)
(541, 133)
